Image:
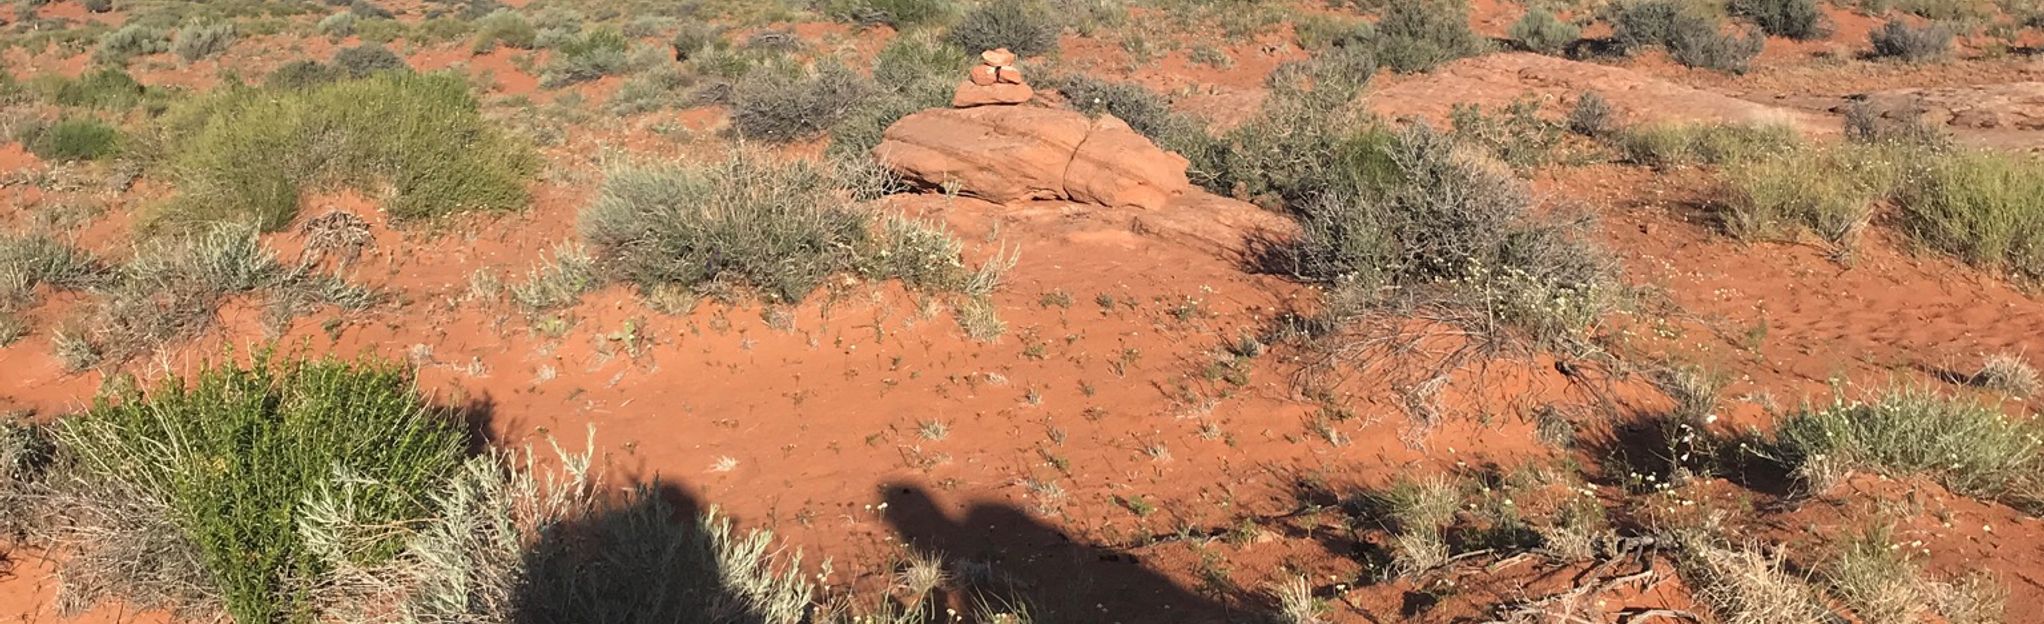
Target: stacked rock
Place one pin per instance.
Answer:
(995, 80)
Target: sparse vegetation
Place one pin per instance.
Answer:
(1832, 191)
(28, 261)
(1540, 31)
(196, 39)
(1970, 448)
(1421, 35)
(787, 106)
(1794, 19)
(2007, 373)
(1980, 206)
(1664, 145)
(131, 41)
(591, 55)
(247, 154)
(505, 28)
(71, 140)
(367, 60)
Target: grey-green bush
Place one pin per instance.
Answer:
(1420, 35)
(367, 59)
(1025, 27)
(786, 106)
(198, 39)
(131, 41)
(1981, 206)
(1697, 42)
(1897, 39)
(591, 55)
(507, 28)
(72, 140)
(1540, 31)
(1971, 448)
(1795, 19)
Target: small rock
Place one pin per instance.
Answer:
(1007, 74)
(970, 95)
(984, 75)
(998, 57)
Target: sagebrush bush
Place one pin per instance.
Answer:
(1452, 224)
(792, 105)
(507, 28)
(1795, 19)
(1646, 23)
(1540, 31)
(304, 74)
(1971, 448)
(198, 39)
(914, 72)
(1419, 36)
(1516, 134)
(248, 154)
(900, 14)
(1897, 39)
(1663, 145)
(1699, 42)
(1025, 27)
(337, 26)
(1309, 139)
(775, 230)
(1592, 116)
(1981, 206)
(242, 455)
(131, 41)
(72, 140)
(694, 37)
(109, 88)
(369, 59)
(1832, 191)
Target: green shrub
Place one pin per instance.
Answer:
(914, 72)
(1540, 31)
(1971, 448)
(507, 28)
(1832, 191)
(1310, 139)
(1025, 27)
(304, 74)
(72, 140)
(899, 14)
(247, 154)
(337, 26)
(1419, 36)
(199, 39)
(594, 54)
(1663, 145)
(131, 41)
(369, 58)
(1981, 206)
(658, 87)
(787, 106)
(109, 88)
(775, 230)
(1795, 19)
(1462, 229)
(695, 37)
(1698, 42)
(369, 10)
(242, 456)
(1646, 23)
(1912, 43)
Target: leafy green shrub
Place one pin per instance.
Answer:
(1419, 36)
(1981, 206)
(775, 230)
(594, 54)
(247, 154)
(507, 28)
(1897, 39)
(1663, 145)
(1540, 31)
(369, 58)
(72, 140)
(786, 106)
(199, 39)
(242, 456)
(131, 41)
(1830, 190)
(1025, 27)
(1310, 139)
(1971, 448)
(1795, 19)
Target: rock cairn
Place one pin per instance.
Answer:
(995, 81)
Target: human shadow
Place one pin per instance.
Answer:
(650, 555)
(1058, 577)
